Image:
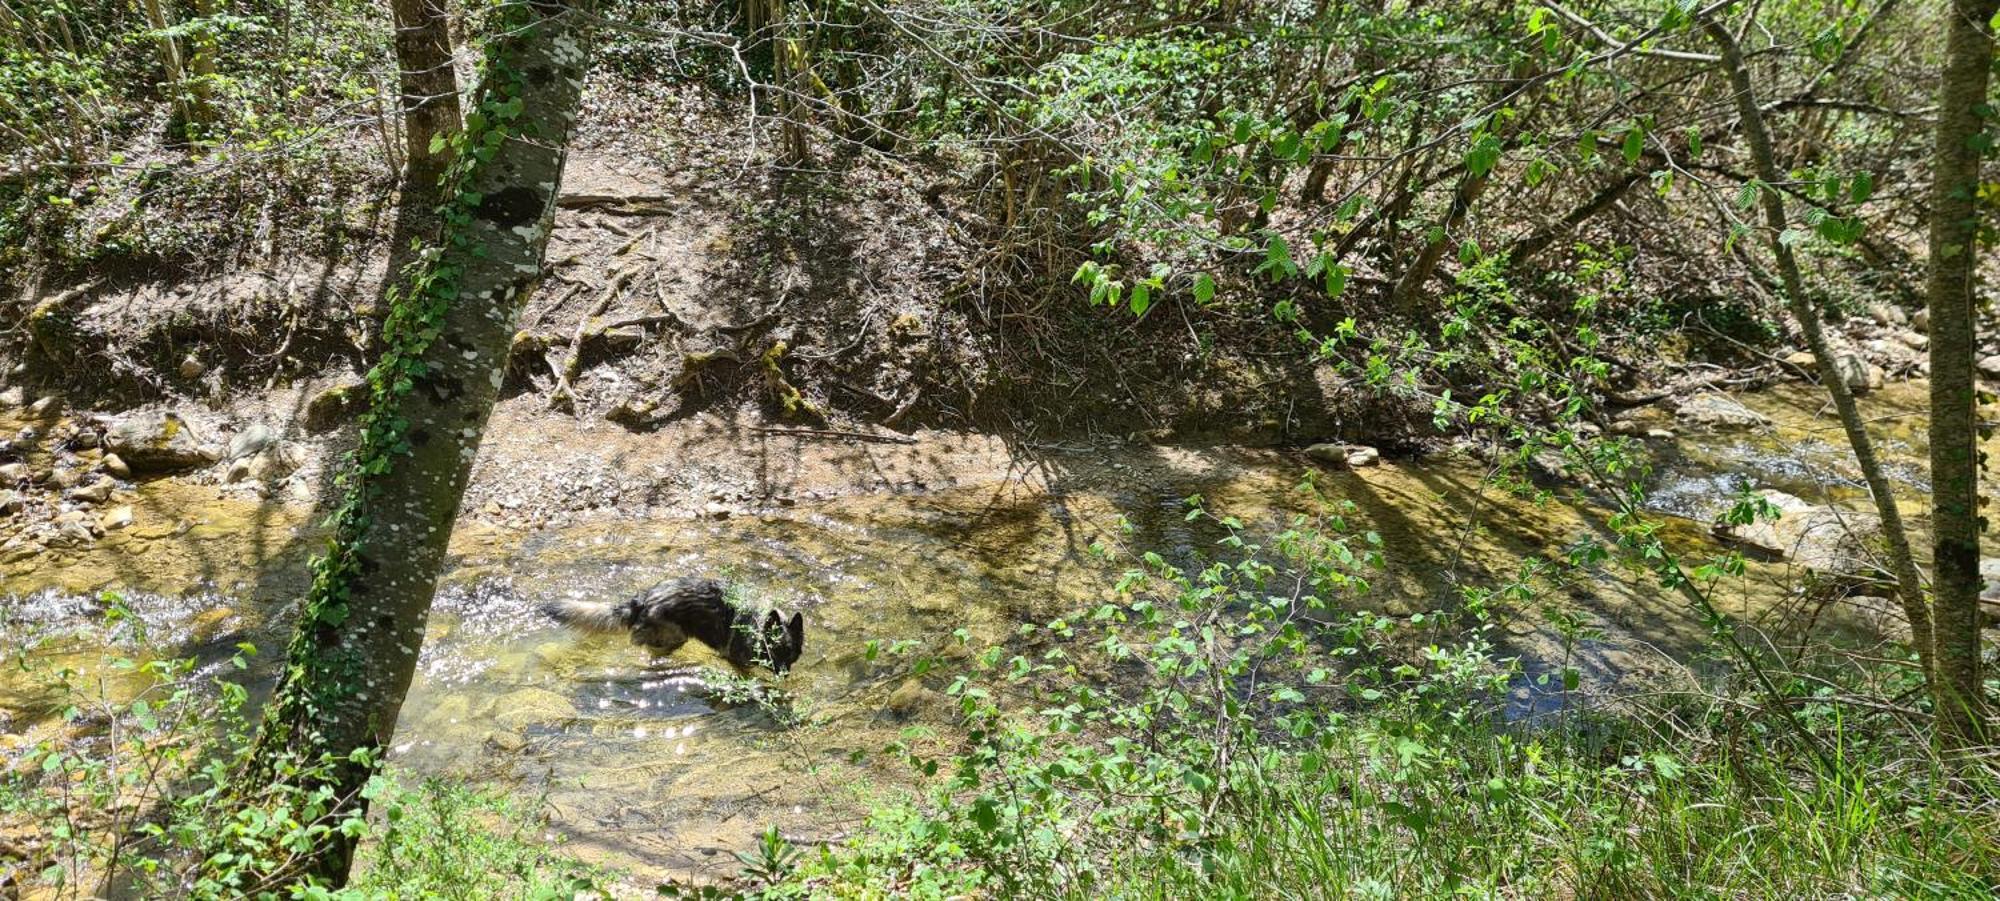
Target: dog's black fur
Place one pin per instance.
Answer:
(665, 616)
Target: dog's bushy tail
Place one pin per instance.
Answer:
(586, 615)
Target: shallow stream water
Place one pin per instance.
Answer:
(643, 766)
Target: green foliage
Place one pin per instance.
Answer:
(1224, 729)
(132, 779)
(448, 841)
(93, 105)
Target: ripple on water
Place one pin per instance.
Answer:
(165, 620)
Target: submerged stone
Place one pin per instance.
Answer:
(117, 518)
(1720, 411)
(517, 710)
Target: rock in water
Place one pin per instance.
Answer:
(518, 710)
(156, 442)
(115, 467)
(1720, 411)
(1330, 454)
(1827, 540)
(1344, 456)
(94, 493)
(117, 518)
(910, 698)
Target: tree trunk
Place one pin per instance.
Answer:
(1532, 245)
(1909, 584)
(170, 58)
(1954, 432)
(428, 86)
(201, 62)
(1409, 289)
(355, 648)
(767, 23)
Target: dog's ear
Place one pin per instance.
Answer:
(772, 623)
(795, 630)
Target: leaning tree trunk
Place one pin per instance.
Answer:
(1954, 433)
(355, 649)
(428, 86)
(1909, 584)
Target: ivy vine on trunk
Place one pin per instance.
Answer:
(355, 648)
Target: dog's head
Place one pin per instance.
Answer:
(784, 640)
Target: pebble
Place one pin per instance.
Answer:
(95, 493)
(119, 517)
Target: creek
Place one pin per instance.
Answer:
(645, 764)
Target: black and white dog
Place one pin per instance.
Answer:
(665, 616)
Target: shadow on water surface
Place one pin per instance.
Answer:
(659, 764)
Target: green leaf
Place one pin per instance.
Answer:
(1840, 230)
(1484, 155)
(1862, 188)
(1635, 144)
(1204, 288)
(1278, 258)
(1287, 145)
(1141, 299)
(986, 814)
